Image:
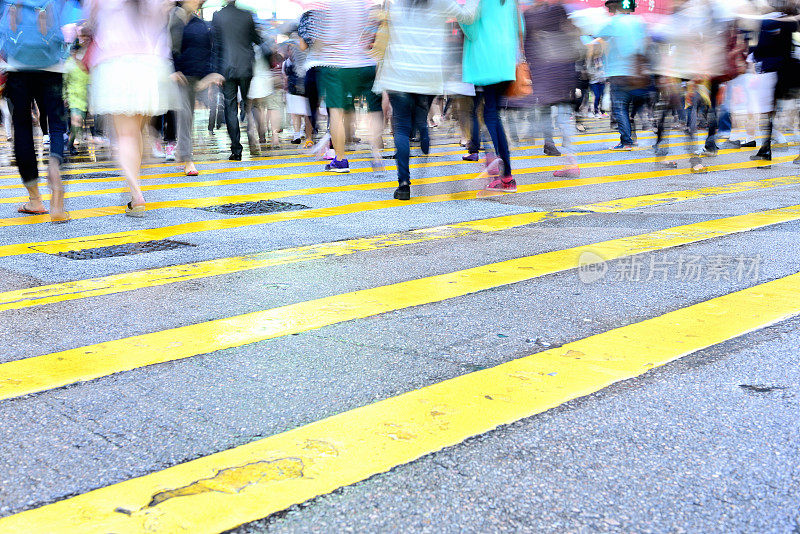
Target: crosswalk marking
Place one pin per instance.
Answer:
(313, 174)
(49, 294)
(220, 491)
(301, 157)
(48, 371)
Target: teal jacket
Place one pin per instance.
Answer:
(491, 44)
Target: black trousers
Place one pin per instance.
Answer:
(230, 90)
(22, 90)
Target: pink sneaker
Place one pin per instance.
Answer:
(567, 172)
(494, 165)
(330, 154)
(506, 185)
(169, 152)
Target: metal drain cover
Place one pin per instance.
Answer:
(251, 208)
(128, 249)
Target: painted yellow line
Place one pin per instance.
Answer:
(210, 201)
(41, 295)
(301, 156)
(227, 170)
(13, 221)
(223, 490)
(119, 238)
(53, 370)
(613, 206)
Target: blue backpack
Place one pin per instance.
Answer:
(30, 31)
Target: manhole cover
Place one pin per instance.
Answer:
(251, 208)
(128, 249)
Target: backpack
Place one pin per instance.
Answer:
(30, 32)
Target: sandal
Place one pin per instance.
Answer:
(28, 211)
(135, 211)
(60, 219)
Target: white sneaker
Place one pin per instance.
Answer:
(158, 150)
(46, 140)
(169, 152)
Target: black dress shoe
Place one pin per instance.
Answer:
(751, 144)
(762, 155)
(403, 192)
(235, 157)
(551, 150)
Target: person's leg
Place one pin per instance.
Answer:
(570, 170)
(597, 91)
(491, 117)
(474, 145)
(51, 105)
(19, 93)
(620, 103)
(230, 89)
(544, 123)
(713, 122)
(421, 110)
(185, 125)
(402, 104)
(129, 149)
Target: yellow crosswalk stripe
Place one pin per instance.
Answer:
(294, 176)
(37, 296)
(300, 156)
(210, 201)
(86, 363)
(223, 490)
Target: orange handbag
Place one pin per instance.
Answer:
(521, 86)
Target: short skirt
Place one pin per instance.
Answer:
(137, 84)
(297, 105)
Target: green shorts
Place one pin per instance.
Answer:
(340, 86)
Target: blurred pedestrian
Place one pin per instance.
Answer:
(552, 49)
(413, 69)
(131, 81)
(624, 40)
(33, 46)
(346, 72)
(192, 56)
(491, 48)
(235, 34)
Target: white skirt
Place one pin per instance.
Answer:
(297, 105)
(133, 85)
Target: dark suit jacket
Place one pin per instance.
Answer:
(234, 34)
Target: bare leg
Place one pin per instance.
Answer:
(56, 190)
(275, 122)
(129, 149)
(337, 131)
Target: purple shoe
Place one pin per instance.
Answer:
(471, 157)
(338, 165)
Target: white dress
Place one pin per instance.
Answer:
(130, 69)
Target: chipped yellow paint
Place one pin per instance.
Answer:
(118, 283)
(48, 371)
(378, 437)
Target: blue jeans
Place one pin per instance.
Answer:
(598, 89)
(22, 90)
(491, 117)
(622, 98)
(405, 107)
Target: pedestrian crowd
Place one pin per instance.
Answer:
(130, 73)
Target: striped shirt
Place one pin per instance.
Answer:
(419, 58)
(341, 32)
